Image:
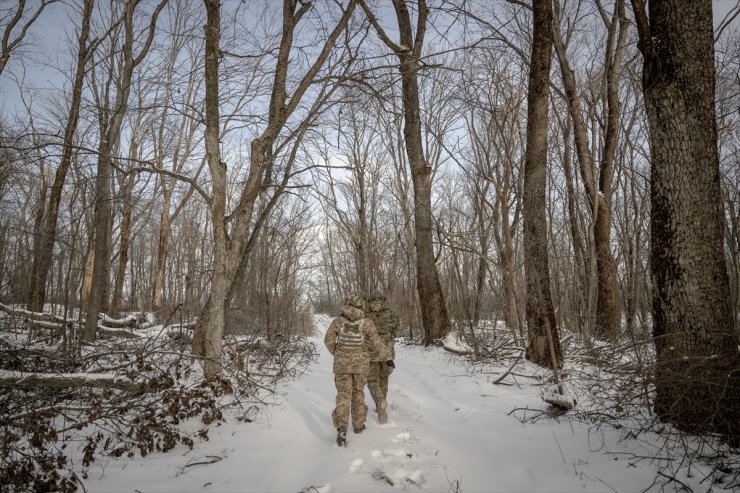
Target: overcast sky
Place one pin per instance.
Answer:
(48, 49)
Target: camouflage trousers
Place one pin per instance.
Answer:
(377, 382)
(350, 393)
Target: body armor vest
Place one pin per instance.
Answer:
(351, 336)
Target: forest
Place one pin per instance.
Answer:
(552, 186)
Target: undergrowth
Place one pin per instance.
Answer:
(613, 383)
(141, 395)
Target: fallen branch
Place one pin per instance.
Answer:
(499, 379)
(38, 316)
(55, 327)
(115, 332)
(209, 459)
(457, 351)
(129, 321)
(68, 380)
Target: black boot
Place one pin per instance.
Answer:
(341, 437)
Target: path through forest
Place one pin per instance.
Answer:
(449, 430)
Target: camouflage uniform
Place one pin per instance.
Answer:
(349, 338)
(386, 323)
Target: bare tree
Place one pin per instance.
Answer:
(496, 131)
(43, 253)
(352, 202)
(11, 41)
(697, 381)
(598, 183)
(541, 325)
(435, 318)
(109, 140)
(230, 250)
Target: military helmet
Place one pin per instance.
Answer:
(355, 300)
(376, 296)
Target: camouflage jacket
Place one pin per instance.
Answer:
(386, 323)
(350, 338)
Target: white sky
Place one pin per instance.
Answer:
(46, 47)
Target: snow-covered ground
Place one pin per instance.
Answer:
(449, 430)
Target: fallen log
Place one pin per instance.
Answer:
(115, 332)
(38, 316)
(27, 380)
(128, 321)
(54, 327)
(461, 352)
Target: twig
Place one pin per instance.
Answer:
(498, 380)
(212, 460)
(558, 444)
(673, 478)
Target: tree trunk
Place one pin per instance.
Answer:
(231, 251)
(697, 381)
(608, 310)
(120, 276)
(87, 278)
(480, 279)
(598, 186)
(164, 232)
(579, 264)
(38, 229)
(100, 242)
(211, 323)
(362, 241)
(541, 325)
(110, 137)
(434, 314)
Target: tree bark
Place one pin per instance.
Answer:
(211, 323)
(433, 308)
(43, 256)
(164, 233)
(541, 325)
(120, 277)
(697, 380)
(231, 251)
(435, 319)
(109, 140)
(598, 186)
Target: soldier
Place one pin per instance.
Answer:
(349, 338)
(386, 323)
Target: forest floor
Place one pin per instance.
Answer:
(450, 429)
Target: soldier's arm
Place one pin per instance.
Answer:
(371, 334)
(330, 339)
(395, 325)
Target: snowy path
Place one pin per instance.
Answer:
(447, 430)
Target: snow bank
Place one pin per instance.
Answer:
(449, 430)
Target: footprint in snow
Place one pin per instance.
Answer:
(401, 477)
(396, 466)
(355, 466)
(407, 437)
